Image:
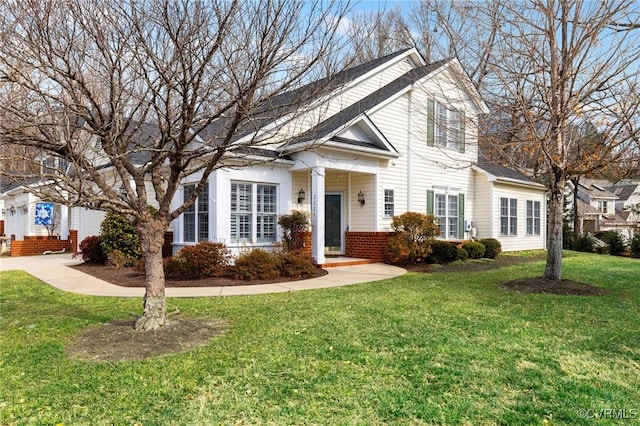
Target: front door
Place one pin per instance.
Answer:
(333, 227)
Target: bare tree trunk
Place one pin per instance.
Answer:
(553, 269)
(151, 235)
(577, 223)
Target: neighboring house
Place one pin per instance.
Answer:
(399, 136)
(604, 206)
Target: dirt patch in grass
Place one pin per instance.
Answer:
(130, 277)
(119, 341)
(562, 287)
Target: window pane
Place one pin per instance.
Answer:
(189, 216)
(441, 124)
(388, 203)
(454, 129)
(453, 227)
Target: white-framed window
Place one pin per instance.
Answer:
(195, 220)
(447, 213)
(508, 216)
(533, 217)
(253, 212)
(445, 126)
(603, 206)
(388, 202)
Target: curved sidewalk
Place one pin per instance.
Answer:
(53, 269)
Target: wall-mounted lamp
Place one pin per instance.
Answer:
(301, 196)
(25, 209)
(12, 211)
(361, 199)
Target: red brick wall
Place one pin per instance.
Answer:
(167, 248)
(367, 245)
(37, 245)
(308, 243)
(73, 240)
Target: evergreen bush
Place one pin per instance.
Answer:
(635, 244)
(475, 249)
(442, 252)
(492, 247)
(117, 233)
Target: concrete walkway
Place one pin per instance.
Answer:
(53, 269)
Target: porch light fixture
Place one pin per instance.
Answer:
(301, 196)
(361, 199)
(12, 211)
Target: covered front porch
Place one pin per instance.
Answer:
(340, 195)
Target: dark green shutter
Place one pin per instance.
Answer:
(431, 111)
(430, 197)
(461, 146)
(461, 216)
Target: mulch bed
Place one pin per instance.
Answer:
(562, 287)
(130, 277)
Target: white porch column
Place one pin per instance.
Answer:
(64, 222)
(317, 214)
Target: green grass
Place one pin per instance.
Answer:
(442, 348)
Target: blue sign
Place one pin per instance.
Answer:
(44, 214)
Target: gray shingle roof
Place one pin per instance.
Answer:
(290, 101)
(501, 171)
(343, 117)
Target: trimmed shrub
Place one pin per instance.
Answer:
(442, 252)
(117, 233)
(118, 260)
(256, 264)
(293, 227)
(91, 250)
(584, 243)
(492, 247)
(203, 260)
(295, 265)
(475, 249)
(635, 244)
(411, 242)
(614, 239)
(462, 254)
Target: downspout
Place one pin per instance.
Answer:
(410, 151)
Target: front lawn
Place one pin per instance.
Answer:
(444, 348)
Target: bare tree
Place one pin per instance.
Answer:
(131, 97)
(560, 63)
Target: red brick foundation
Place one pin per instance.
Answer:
(367, 245)
(37, 245)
